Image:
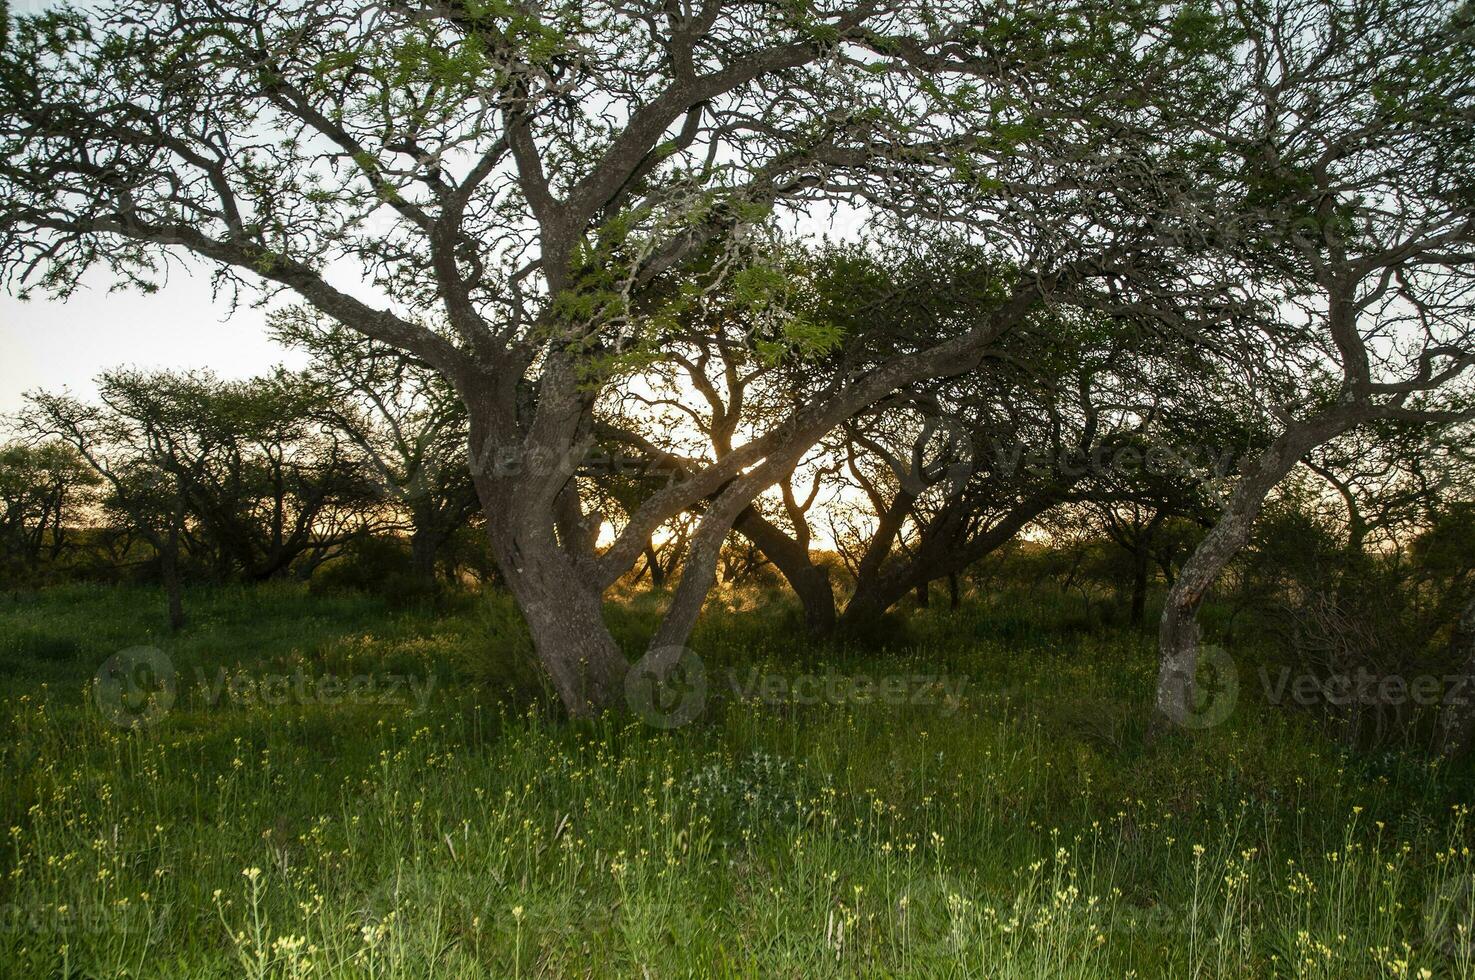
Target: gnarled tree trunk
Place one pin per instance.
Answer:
(1178, 633)
(810, 582)
(565, 616)
(562, 604)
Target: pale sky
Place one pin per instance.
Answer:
(53, 344)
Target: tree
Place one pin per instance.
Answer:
(985, 456)
(1459, 725)
(120, 452)
(42, 487)
(558, 184)
(734, 358)
(1353, 151)
(1446, 552)
(940, 464)
(403, 418)
(238, 475)
(270, 490)
(1156, 506)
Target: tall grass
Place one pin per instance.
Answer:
(1024, 830)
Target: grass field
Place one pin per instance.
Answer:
(342, 789)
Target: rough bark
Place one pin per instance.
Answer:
(1178, 632)
(810, 582)
(563, 608)
(566, 619)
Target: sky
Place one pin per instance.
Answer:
(54, 345)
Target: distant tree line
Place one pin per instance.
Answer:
(183, 476)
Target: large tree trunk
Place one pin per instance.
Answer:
(571, 639)
(1178, 633)
(1139, 588)
(1458, 736)
(424, 549)
(169, 573)
(561, 603)
(810, 582)
(565, 616)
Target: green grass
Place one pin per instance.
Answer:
(1028, 830)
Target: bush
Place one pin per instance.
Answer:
(378, 566)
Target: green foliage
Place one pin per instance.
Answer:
(1447, 549)
(373, 565)
(45, 492)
